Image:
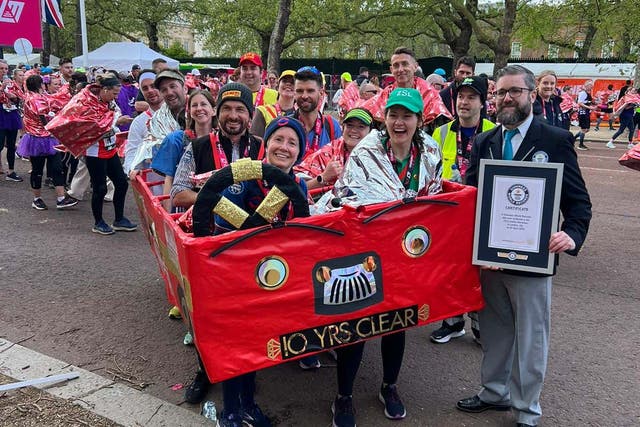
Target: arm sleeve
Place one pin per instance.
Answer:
(186, 167)
(165, 162)
(575, 203)
(137, 131)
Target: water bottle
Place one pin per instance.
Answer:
(455, 174)
(209, 411)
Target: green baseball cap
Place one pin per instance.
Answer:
(359, 114)
(406, 97)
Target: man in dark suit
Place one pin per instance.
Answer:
(515, 320)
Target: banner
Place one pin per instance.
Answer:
(259, 297)
(20, 19)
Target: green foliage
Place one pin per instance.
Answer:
(176, 51)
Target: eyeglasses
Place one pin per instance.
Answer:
(370, 91)
(310, 68)
(514, 92)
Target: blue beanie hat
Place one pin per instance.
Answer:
(294, 124)
(440, 72)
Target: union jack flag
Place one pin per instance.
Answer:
(51, 13)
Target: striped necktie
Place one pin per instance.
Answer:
(508, 147)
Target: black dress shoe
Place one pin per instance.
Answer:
(474, 404)
(197, 390)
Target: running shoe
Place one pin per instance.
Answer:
(254, 417)
(174, 313)
(66, 203)
(103, 228)
(343, 413)
(124, 225)
(13, 177)
(393, 407)
(583, 147)
(39, 204)
(630, 146)
(310, 363)
(444, 334)
(611, 145)
(229, 420)
(197, 390)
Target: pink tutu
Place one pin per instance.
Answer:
(31, 146)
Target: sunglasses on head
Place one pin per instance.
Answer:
(311, 68)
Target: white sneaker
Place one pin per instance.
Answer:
(630, 146)
(611, 145)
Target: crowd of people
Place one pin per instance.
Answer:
(412, 132)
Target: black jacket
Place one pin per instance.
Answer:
(575, 204)
(203, 153)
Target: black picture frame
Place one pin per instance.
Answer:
(530, 204)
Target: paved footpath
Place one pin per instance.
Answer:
(96, 305)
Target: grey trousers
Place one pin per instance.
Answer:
(515, 341)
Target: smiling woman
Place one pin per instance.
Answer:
(285, 144)
(397, 163)
(400, 161)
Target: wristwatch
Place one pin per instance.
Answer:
(319, 179)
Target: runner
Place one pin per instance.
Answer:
(401, 161)
(37, 144)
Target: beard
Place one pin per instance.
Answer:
(312, 106)
(232, 131)
(518, 115)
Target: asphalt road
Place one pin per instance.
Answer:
(98, 302)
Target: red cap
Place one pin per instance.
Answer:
(251, 57)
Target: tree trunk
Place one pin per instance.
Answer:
(457, 30)
(46, 44)
(277, 36)
(502, 46)
(583, 53)
(265, 39)
(152, 35)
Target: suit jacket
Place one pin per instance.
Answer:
(575, 204)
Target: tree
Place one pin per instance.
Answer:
(253, 22)
(277, 35)
(493, 27)
(175, 50)
(133, 20)
(582, 20)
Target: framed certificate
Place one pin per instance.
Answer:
(517, 210)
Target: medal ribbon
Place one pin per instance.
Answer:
(219, 157)
(259, 97)
(464, 153)
(406, 174)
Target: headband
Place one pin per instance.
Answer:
(146, 75)
(110, 82)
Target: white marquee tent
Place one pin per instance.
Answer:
(120, 56)
(32, 58)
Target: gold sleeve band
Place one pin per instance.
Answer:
(230, 212)
(272, 204)
(246, 170)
